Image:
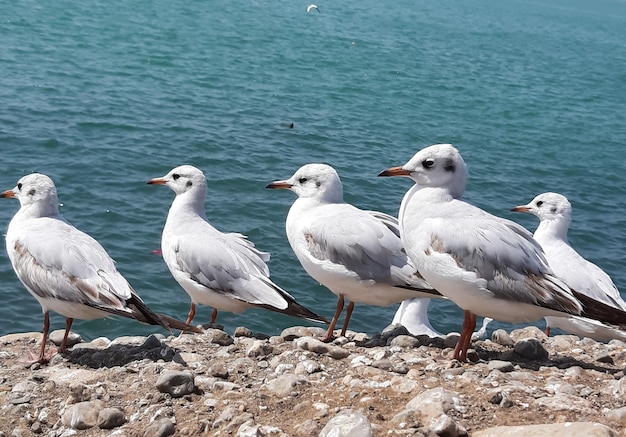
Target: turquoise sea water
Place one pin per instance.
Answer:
(103, 96)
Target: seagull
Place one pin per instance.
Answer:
(65, 269)
(554, 212)
(312, 6)
(356, 254)
(413, 315)
(487, 265)
(222, 270)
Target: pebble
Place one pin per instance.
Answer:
(176, 383)
(348, 423)
(109, 418)
(502, 366)
(317, 346)
(56, 337)
(83, 415)
(160, 428)
(501, 337)
(531, 349)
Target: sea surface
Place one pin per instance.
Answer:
(103, 96)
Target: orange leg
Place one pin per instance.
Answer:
(548, 331)
(329, 334)
(190, 316)
(214, 315)
(347, 320)
(68, 325)
(46, 328)
(469, 323)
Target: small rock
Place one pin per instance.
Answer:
(259, 348)
(348, 423)
(242, 331)
(618, 415)
(501, 337)
(405, 341)
(290, 334)
(83, 415)
(317, 346)
(451, 339)
(109, 418)
(176, 383)
(160, 428)
(56, 337)
(220, 337)
(502, 366)
(218, 370)
(567, 429)
(531, 349)
(604, 357)
(284, 385)
(528, 332)
(308, 366)
(251, 429)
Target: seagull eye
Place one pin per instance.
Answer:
(175, 176)
(428, 163)
(19, 186)
(302, 180)
(539, 202)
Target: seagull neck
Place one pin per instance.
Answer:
(39, 209)
(553, 230)
(188, 205)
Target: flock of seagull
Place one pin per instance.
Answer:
(439, 247)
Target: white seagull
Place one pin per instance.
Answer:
(357, 254)
(66, 270)
(222, 270)
(487, 265)
(310, 7)
(554, 212)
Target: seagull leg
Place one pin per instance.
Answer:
(469, 323)
(347, 319)
(329, 334)
(213, 315)
(68, 325)
(43, 359)
(192, 313)
(548, 331)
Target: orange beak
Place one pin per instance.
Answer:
(521, 209)
(394, 171)
(279, 184)
(156, 181)
(8, 194)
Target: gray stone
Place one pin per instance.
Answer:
(319, 347)
(109, 418)
(56, 337)
(604, 357)
(405, 341)
(618, 415)
(308, 366)
(348, 423)
(528, 332)
(451, 339)
(501, 337)
(563, 402)
(531, 349)
(220, 337)
(290, 334)
(251, 429)
(259, 348)
(83, 415)
(176, 383)
(242, 331)
(22, 392)
(160, 428)
(432, 407)
(284, 385)
(567, 429)
(502, 366)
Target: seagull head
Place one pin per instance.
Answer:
(184, 179)
(36, 189)
(316, 181)
(548, 207)
(438, 166)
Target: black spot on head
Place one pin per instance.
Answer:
(189, 183)
(553, 209)
(318, 183)
(449, 166)
(31, 192)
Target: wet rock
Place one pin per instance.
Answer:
(567, 429)
(109, 418)
(83, 415)
(348, 423)
(160, 428)
(176, 383)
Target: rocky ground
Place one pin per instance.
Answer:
(250, 384)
